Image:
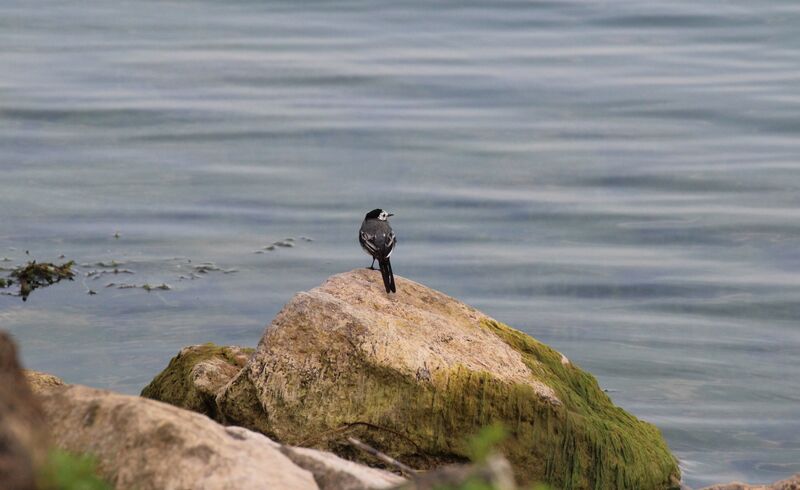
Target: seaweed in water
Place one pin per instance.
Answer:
(35, 275)
(146, 287)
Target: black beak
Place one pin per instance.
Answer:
(390, 214)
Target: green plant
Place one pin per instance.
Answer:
(481, 445)
(67, 471)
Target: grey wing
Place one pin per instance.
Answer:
(368, 242)
(380, 244)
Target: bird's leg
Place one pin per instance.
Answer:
(372, 266)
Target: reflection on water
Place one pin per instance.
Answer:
(619, 179)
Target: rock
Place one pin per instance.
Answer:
(148, 445)
(195, 375)
(415, 373)
(330, 471)
(335, 473)
(41, 382)
(23, 441)
(792, 483)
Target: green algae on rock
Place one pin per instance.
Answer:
(413, 374)
(603, 438)
(193, 377)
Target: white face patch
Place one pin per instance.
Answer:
(383, 216)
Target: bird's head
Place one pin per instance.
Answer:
(379, 214)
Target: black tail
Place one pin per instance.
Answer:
(388, 277)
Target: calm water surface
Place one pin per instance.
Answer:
(617, 178)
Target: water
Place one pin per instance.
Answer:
(619, 179)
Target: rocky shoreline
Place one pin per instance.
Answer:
(413, 375)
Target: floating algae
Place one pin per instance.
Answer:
(112, 264)
(146, 287)
(97, 274)
(207, 267)
(35, 275)
(288, 242)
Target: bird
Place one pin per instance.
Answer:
(378, 240)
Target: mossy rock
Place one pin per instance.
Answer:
(193, 377)
(416, 373)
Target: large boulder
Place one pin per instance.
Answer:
(148, 445)
(415, 373)
(23, 440)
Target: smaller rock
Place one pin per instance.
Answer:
(335, 473)
(792, 483)
(330, 471)
(193, 377)
(148, 445)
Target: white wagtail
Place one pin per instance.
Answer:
(377, 239)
